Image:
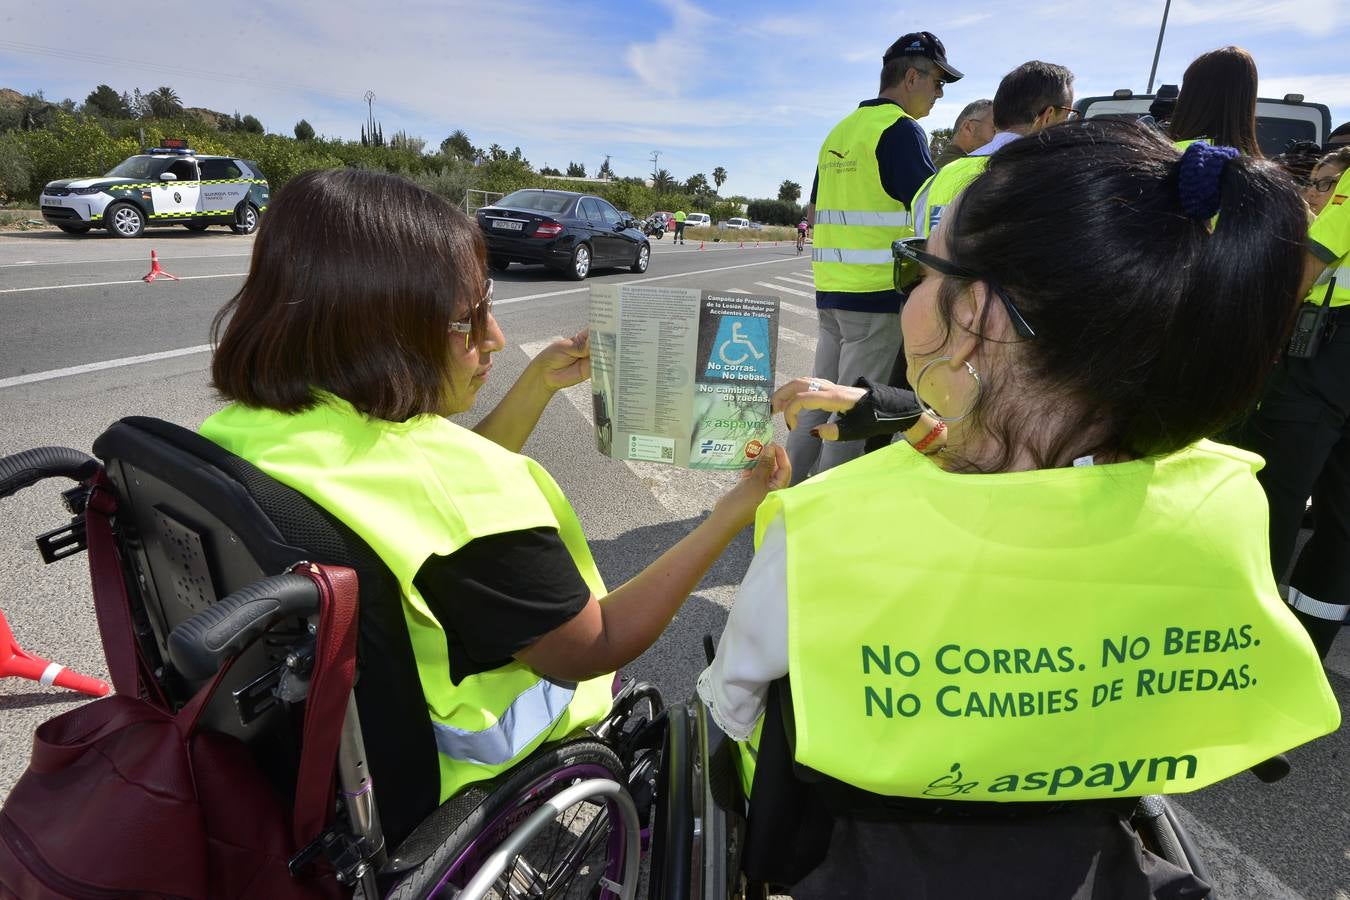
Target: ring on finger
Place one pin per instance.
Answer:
(813, 385)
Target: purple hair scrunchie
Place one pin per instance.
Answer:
(1198, 176)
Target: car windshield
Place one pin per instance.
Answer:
(140, 167)
(543, 201)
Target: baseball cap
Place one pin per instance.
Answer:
(925, 44)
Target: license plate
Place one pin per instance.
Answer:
(508, 225)
(52, 201)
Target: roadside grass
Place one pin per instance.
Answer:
(769, 233)
(19, 219)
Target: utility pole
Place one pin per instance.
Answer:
(656, 154)
(370, 112)
(606, 168)
(1158, 50)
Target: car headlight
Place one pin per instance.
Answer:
(89, 190)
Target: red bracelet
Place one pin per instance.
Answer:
(938, 430)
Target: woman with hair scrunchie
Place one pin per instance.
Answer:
(914, 661)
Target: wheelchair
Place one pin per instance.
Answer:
(705, 846)
(202, 537)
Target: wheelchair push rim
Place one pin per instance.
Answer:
(476, 852)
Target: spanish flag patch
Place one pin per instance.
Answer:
(1338, 200)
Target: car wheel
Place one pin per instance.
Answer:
(125, 220)
(580, 266)
(195, 226)
(245, 219)
(644, 256)
(498, 264)
(75, 229)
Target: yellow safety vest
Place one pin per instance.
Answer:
(423, 487)
(856, 220)
(1063, 634)
(1331, 229)
(941, 189)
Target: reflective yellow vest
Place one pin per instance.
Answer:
(423, 487)
(1331, 229)
(1060, 634)
(856, 220)
(941, 189)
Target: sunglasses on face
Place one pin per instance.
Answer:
(475, 324)
(912, 257)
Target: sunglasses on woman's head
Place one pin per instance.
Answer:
(476, 321)
(911, 256)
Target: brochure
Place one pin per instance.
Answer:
(681, 375)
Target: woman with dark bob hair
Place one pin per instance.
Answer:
(1059, 590)
(1217, 102)
(365, 320)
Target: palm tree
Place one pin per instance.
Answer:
(719, 176)
(663, 181)
(164, 103)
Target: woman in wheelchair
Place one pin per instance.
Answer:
(366, 319)
(955, 664)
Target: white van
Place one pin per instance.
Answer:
(697, 220)
(738, 223)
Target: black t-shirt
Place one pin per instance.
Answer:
(499, 594)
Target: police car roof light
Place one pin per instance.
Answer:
(167, 151)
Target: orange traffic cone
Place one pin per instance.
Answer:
(156, 271)
(14, 660)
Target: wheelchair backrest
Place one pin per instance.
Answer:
(194, 523)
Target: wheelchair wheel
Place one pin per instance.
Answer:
(581, 855)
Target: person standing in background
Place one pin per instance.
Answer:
(679, 226)
(973, 129)
(869, 167)
(1218, 102)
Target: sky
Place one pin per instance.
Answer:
(749, 85)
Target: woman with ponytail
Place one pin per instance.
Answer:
(965, 653)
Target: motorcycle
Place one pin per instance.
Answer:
(654, 228)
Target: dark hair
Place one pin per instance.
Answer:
(1151, 331)
(1299, 159)
(355, 279)
(1340, 131)
(1027, 90)
(1218, 101)
(1338, 157)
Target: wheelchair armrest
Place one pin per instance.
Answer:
(199, 646)
(31, 466)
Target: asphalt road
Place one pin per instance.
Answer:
(84, 342)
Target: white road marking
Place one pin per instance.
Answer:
(32, 263)
(806, 311)
(780, 287)
(796, 337)
(16, 380)
(59, 287)
(33, 377)
(804, 282)
(736, 291)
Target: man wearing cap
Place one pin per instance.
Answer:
(868, 169)
(1339, 137)
(973, 129)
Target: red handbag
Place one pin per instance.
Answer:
(124, 798)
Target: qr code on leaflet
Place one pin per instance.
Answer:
(668, 453)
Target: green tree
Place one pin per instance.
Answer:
(719, 177)
(404, 141)
(789, 191)
(458, 146)
(164, 103)
(139, 106)
(250, 125)
(104, 101)
(304, 131)
(605, 171)
(14, 167)
(576, 170)
(497, 154)
(697, 184)
(663, 182)
(549, 170)
(938, 140)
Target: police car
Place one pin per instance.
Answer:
(165, 185)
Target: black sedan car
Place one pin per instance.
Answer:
(563, 230)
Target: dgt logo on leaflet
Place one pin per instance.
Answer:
(715, 448)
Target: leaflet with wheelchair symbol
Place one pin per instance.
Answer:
(682, 376)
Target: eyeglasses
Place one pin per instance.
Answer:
(477, 320)
(911, 256)
(1069, 113)
(1322, 185)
